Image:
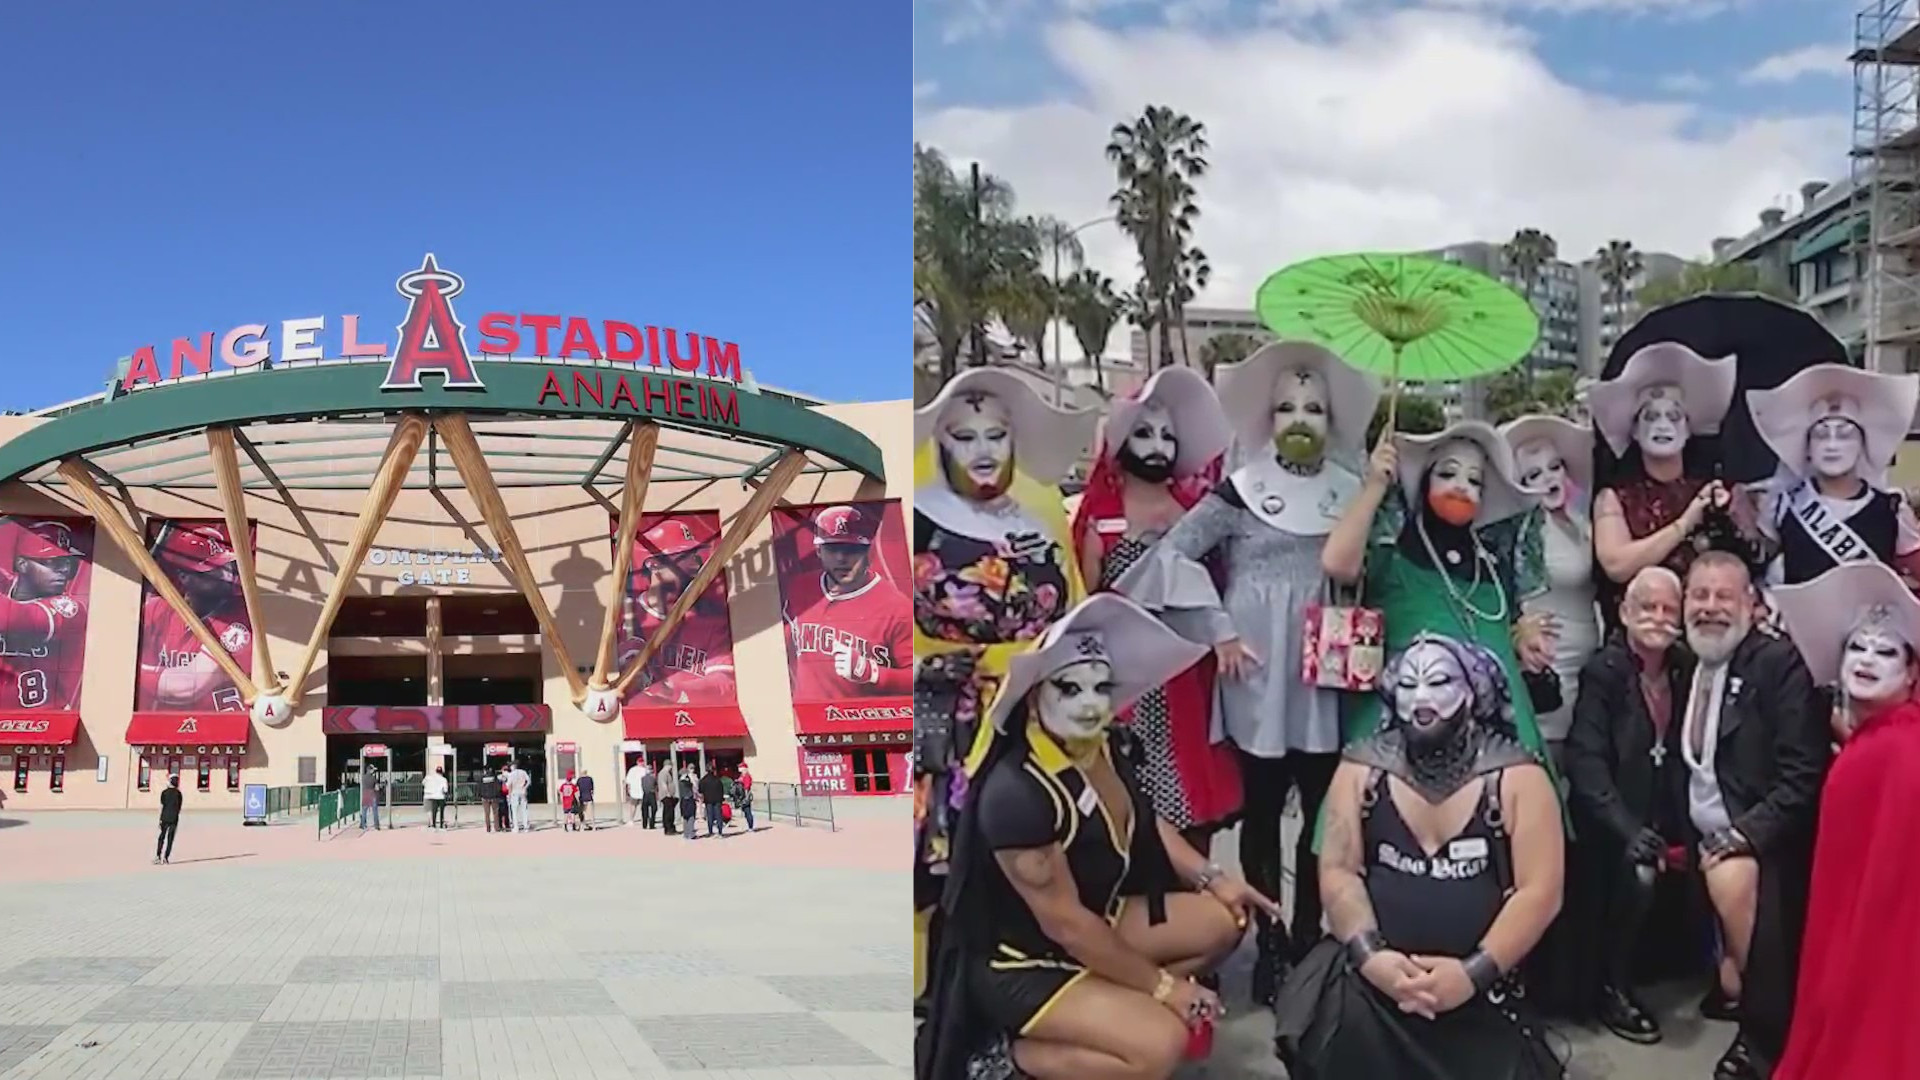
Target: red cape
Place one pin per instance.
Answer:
(1854, 1013)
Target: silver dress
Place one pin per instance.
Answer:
(1272, 576)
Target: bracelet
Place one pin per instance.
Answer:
(1362, 946)
(1163, 989)
(1482, 970)
(1208, 874)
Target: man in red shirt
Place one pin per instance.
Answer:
(176, 674)
(856, 640)
(43, 629)
(695, 666)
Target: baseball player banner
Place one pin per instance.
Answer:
(691, 673)
(848, 619)
(47, 567)
(176, 674)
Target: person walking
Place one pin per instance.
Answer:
(490, 796)
(688, 791)
(713, 795)
(505, 804)
(635, 789)
(434, 790)
(669, 797)
(745, 782)
(569, 804)
(370, 803)
(518, 783)
(170, 801)
(649, 797)
(583, 792)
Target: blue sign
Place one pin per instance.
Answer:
(254, 805)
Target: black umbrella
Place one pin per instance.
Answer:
(1773, 341)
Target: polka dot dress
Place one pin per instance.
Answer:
(1151, 727)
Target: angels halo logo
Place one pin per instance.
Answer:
(432, 339)
(682, 719)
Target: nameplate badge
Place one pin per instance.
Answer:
(1110, 526)
(1089, 799)
(1473, 847)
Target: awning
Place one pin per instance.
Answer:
(856, 717)
(684, 722)
(189, 729)
(1829, 238)
(38, 728)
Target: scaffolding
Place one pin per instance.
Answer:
(1886, 181)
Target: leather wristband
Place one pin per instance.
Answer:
(1362, 946)
(1482, 970)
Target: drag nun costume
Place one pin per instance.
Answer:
(993, 567)
(995, 972)
(1836, 430)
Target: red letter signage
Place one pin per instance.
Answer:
(431, 338)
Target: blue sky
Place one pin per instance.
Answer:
(737, 173)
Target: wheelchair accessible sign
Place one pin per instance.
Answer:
(253, 805)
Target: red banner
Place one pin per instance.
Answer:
(692, 669)
(684, 722)
(825, 772)
(176, 673)
(849, 623)
(46, 565)
(172, 729)
(434, 719)
(39, 729)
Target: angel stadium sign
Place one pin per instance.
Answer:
(432, 342)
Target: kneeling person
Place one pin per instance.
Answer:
(1440, 869)
(1067, 953)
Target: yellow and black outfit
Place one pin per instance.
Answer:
(996, 970)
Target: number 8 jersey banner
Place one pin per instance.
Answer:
(46, 565)
(176, 676)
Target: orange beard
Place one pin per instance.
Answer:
(1452, 507)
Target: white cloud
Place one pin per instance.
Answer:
(1411, 131)
(1798, 63)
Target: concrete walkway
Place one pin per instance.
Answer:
(610, 955)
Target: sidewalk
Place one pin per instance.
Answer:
(612, 955)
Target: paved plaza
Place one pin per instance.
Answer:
(616, 954)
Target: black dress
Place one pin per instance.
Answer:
(1437, 904)
(1876, 522)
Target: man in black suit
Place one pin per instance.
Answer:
(1754, 741)
(1629, 786)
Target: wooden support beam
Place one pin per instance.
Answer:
(79, 478)
(643, 439)
(778, 480)
(464, 449)
(436, 654)
(226, 472)
(408, 433)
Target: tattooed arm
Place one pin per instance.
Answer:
(1045, 882)
(1343, 891)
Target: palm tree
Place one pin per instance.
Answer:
(1527, 254)
(1091, 308)
(1619, 265)
(1228, 348)
(1026, 304)
(967, 248)
(1509, 396)
(1157, 158)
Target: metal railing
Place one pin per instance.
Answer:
(337, 808)
(776, 801)
(297, 798)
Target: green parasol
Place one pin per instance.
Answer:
(1401, 316)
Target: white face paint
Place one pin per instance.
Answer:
(1660, 427)
(977, 436)
(1834, 446)
(1873, 666)
(1300, 398)
(1431, 686)
(1543, 472)
(1152, 438)
(1076, 702)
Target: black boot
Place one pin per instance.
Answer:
(1270, 961)
(1626, 1017)
(1718, 1006)
(1736, 1063)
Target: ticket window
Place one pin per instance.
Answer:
(144, 775)
(57, 774)
(233, 772)
(20, 772)
(204, 773)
